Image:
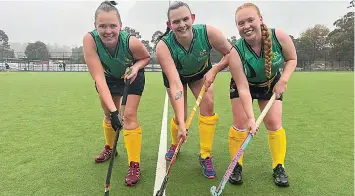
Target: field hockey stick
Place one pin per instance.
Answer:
(188, 123)
(125, 94)
(122, 110)
(218, 191)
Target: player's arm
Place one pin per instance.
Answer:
(176, 89)
(139, 52)
(96, 71)
(219, 42)
(236, 69)
(289, 53)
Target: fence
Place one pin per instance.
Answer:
(75, 62)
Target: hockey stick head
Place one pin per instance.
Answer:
(213, 191)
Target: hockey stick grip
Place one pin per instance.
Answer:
(125, 95)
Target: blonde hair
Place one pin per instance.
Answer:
(266, 42)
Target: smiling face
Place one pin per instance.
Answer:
(108, 26)
(248, 21)
(180, 21)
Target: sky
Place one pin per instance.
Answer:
(65, 22)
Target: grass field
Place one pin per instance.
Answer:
(51, 129)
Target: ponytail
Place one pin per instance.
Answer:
(166, 32)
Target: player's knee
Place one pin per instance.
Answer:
(272, 124)
(240, 123)
(240, 119)
(206, 109)
(130, 117)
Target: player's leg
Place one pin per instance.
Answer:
(237, 133)
(109, 133)
(207, 122)
(132, 130)
(276, 140)
(174, 126)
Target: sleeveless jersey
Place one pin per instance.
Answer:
(114, 65)
(195, 60)
(254, 66)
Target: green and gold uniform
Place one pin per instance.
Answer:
(194, 63)
(254, 68)
(115, 65)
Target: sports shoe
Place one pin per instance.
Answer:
(169, 155)
(208, 170)
(104, 155)
(280, 176)
(236, 176)
(133, 175)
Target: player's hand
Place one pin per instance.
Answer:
(209, 78)
(131, 73)
(251, 124)
(280, 88)
(182, 133)
(116, 121)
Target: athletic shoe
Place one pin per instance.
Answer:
(104, 155)
(236, 176)
(208, 170)
(280, 176)
(133, 175)
(169, 155)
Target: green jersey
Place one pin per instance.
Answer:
(254, 66)
(194, 60)
(114, 65)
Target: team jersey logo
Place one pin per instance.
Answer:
(276, 59)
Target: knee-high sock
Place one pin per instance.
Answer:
(277, 146)
(235, 140)
(109, 134)
(207, 127)
(133, 143)
(173, 131)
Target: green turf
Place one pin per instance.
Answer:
(51, 128)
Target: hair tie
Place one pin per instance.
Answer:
(113, 2)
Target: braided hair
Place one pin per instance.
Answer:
(266, 43)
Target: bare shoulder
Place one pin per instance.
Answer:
(162, 49)
(164, 56)
(134, 42)
(282, 36)
(88, 41)
(213, 32)
(218, 40)
(288, 47)
(137, 48)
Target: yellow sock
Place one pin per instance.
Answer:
(174, 128)
(235, 140)
(109, 134)
(277, 146)
(133, 142)
(206, 129)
